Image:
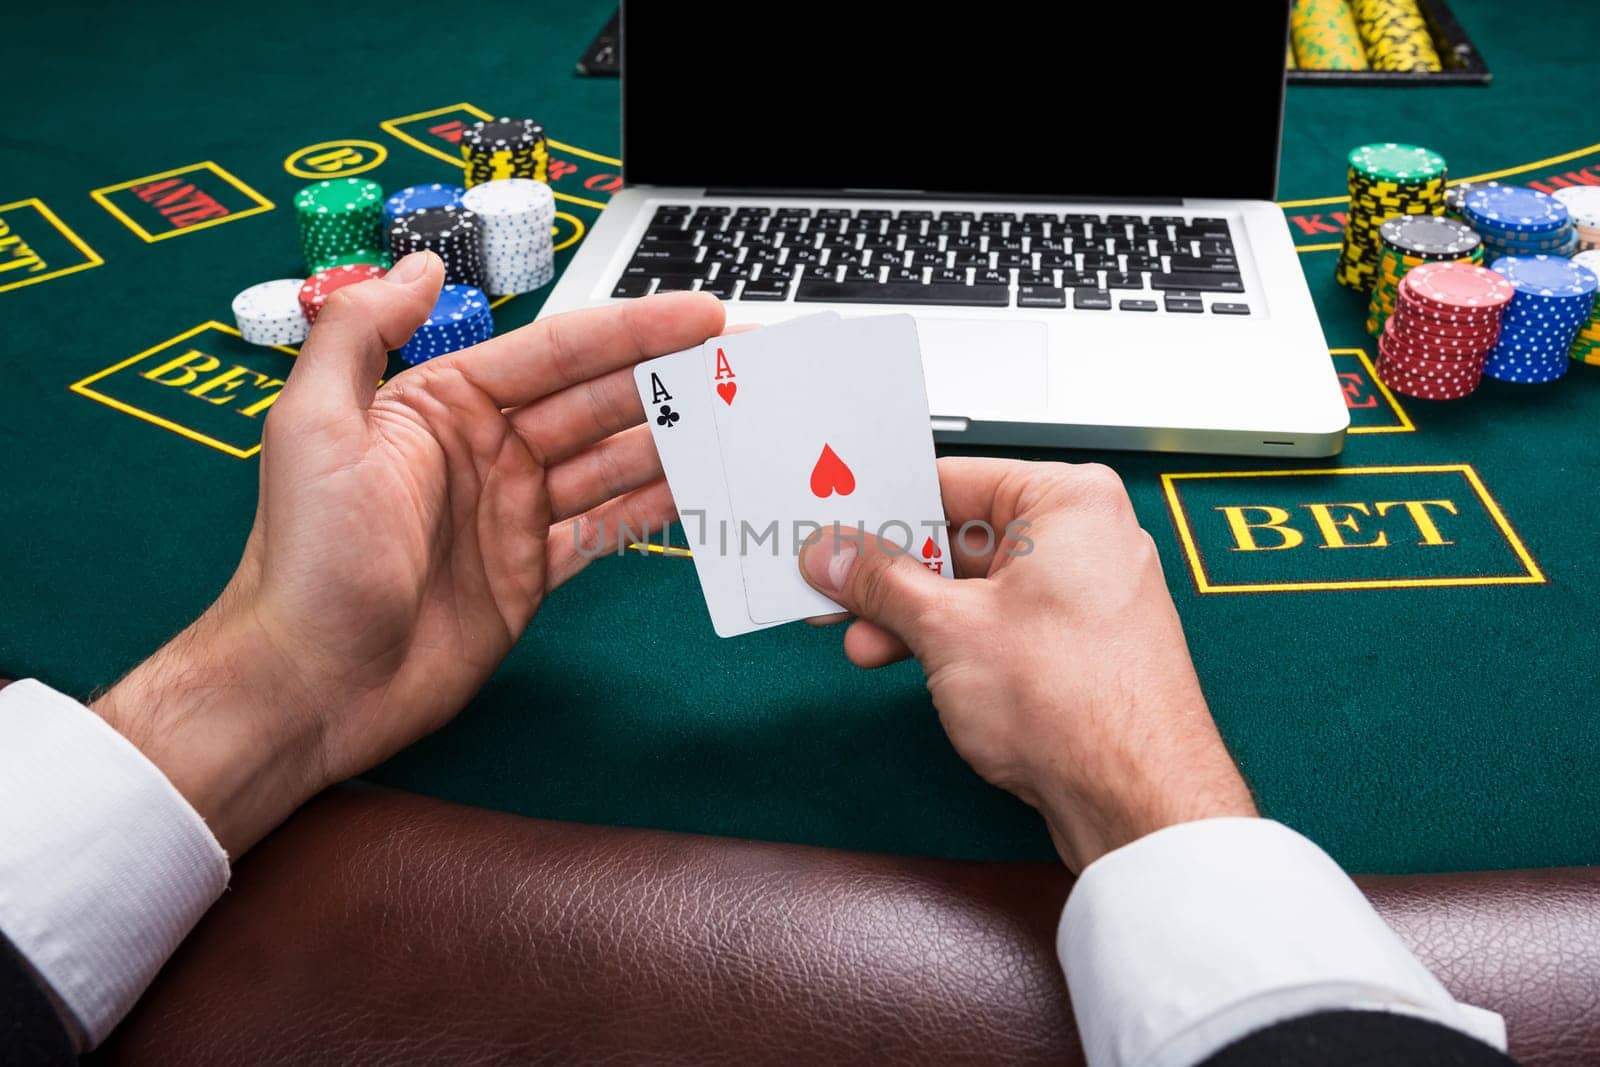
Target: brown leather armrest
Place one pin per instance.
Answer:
(384, 927)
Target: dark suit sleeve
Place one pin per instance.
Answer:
(30, 1030)
(1358, 1039)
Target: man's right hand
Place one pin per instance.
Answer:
(1058, 666)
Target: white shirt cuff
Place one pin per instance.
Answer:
(104, 867)
(1189, 939)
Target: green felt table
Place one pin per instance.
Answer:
(1427, 703)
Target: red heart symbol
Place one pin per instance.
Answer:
(831, 475)
(726, 390)
(929, 549)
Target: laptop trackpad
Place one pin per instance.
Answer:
(975, 365)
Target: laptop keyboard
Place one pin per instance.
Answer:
(1139, 263)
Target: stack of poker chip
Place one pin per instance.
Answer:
(1385, 180)
(316, 289)
(1396, 36)
(1447, 318)
(460, 319)
(1554, 299)
(1583, 205)
(269, 313)
(1409, 241)
(1324, 36)
(505, 148)
(1455, 196)
(417, 197)
(1517, 221)
(1586, 346)
(516, 216)
(338, 217)
(451, 233)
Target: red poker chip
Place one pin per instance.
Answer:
(1426, 390)
(1456, 286)
(1411, 326)
(1437, 353)
(1411, 304)
(1423, 371)
(323, 284)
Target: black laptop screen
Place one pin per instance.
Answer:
(1058, 100)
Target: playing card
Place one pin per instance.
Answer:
(678, 410)
(826, 422)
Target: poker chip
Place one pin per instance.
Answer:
(417, 197)
(337, 217)
(1384, 180)
(1324, 36)
(454, 234)
(505, 148)
(268, 313)
(1456, 287)
(1396, 36)
(516, 217)
(460, 319)
(316, 289)
(1583, 206)
(1514, 208)
(1554, 301)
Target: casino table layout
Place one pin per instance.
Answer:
(1399, 643)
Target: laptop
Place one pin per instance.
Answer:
(1074, 201)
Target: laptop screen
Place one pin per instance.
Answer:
(1064, 100)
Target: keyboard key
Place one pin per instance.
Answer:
(1091, 300)
(649, 253)
(958, 216)
(750, 209)
(1013, 260)
(820, 273)
(875, 213)
(972, 259)
(1230, 309)
(991, 277)
(627, 287)
(803, 255)
(721, 288)
(1137, 305)
(668, 285)
(912, 215)
(794, 212)
(905, 274)
(667, 268)
(1114, 280)
(722, 254)
(860, 274)
(1184, 304)
(1074, 280)
(948, 274)
(1141, 261)
(1036, 277)
(1205, 281)
(765, 290)
(1041, 296)
(903, 293)
(835, 213)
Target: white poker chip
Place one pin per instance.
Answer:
(269, 313)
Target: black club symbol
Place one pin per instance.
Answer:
(668, 417)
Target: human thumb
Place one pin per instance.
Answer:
(344, 357)
(873, 579)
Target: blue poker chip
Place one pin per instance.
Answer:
(1546, 275)
(460, 319)
(416, 197)
(1514, 208)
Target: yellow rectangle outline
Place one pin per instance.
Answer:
(1406, 425)
(92, 257)
(1203, 585)
(81, 387)
(100, 197)
(391, 127)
